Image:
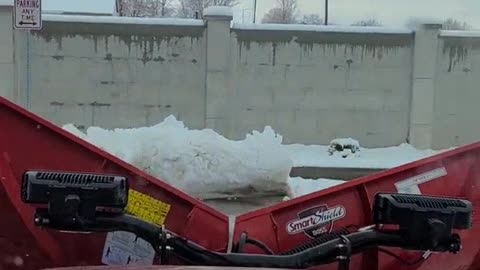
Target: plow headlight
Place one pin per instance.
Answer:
(426, 222)
(406, 209)
(101, 190)
(73, 200)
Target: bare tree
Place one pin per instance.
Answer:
(448, 24)
(146, 8)
(312, 19)
(367, 22)
(165, 7)
(453, 24)
(284, 11)
(132, 8)
(188, 8)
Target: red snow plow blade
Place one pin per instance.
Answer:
(455, 173)
(28, 142)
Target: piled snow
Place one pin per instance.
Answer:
(323, 28)
(75, 131)
(459, 33)
(122, 20)
(299, 186)
(375, 158)
(218, 11)
(202, 163)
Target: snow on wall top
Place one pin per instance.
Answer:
(79, 6)
(323, 28)
(121, 20)
(459, 33)
(218, 11)
(6, 2)
(428, 20)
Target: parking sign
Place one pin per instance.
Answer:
(28, 14)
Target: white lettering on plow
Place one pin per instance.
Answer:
(320, 217)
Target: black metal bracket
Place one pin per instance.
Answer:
(164, 246)
(344, 253)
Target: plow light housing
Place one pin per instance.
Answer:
(101, 190)
(426, 222)
(74, 200)
(405, 209)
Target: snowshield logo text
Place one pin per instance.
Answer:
(316, 220)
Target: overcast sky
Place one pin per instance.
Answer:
(389, 12)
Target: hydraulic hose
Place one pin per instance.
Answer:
(147, 231)
(316, 255)
(320, 254)
(318, 241)
(105, 222)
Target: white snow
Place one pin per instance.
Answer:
(375, 158)
(459, 33)
(121, 20)
(299, 186)
(75, 131)
(218, 11)
(204, 164)
(323, 28)
(200, 162)
(79, 6)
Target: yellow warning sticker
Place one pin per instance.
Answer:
(147, 208)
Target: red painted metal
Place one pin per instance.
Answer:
(159, 268)
(462, 180)
(28, 142)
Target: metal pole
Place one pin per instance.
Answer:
(29, 71)
(326, 12)
(254, 10)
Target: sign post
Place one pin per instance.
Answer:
(28, 14)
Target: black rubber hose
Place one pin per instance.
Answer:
(244, 239)
(114, 222)
(260, 245)
(323, 238)
(316, 255)
(313, 256)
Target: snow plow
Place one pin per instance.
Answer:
(67, 203)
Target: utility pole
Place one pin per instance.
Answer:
(254, 10)
(326, 12)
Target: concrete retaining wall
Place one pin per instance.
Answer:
(116, 75)
(315, 86)
(311, 84)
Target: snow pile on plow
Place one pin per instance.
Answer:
(298, 186)
(205, 164)
(201, 163)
